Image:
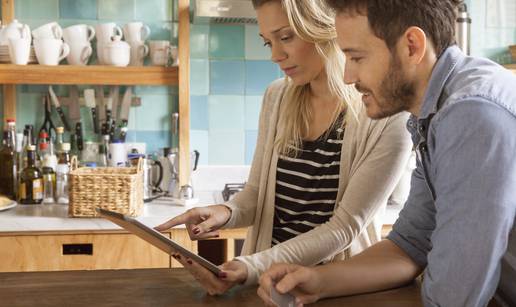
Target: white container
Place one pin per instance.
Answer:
(117, 52)
(117, 155)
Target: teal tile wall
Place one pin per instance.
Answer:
(486, 41)
(230, 70)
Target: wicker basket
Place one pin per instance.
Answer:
(118, 189)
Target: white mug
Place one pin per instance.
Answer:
(49, 30)
(79, 53)
(78, 33)
(19, 50)
(106, 31)
(50, 51)
(138, 53)
(159, 52)
(136, 32)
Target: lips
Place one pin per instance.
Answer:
(289, 70)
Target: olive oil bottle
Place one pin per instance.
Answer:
(31, 180)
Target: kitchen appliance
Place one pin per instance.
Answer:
(151, 188)
(174, 189)
(463, 29)
(224, 11)
(187, 191)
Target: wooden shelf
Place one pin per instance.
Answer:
(511, 67)
(93, 74)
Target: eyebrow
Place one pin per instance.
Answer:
(347, 50)
(276, 31)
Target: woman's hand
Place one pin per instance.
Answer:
(233, 273)
(302, 282)
(202, 222)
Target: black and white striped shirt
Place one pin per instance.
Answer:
(307, 185)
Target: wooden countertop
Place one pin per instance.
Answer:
(155, 287)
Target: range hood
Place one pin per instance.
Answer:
(224, 11)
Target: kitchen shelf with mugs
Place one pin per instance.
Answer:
(118, 61)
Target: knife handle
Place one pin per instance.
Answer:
(95, 121)
(78, 134)
(63, 118)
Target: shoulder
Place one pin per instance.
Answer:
(273, 94)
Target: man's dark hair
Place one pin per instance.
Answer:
(389, 19)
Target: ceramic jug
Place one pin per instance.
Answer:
(14, 30)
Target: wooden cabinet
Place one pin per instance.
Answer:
(93, 251)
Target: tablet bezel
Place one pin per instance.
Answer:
(155, 238)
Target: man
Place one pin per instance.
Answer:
(458, 225)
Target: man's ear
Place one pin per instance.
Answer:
(414, 44)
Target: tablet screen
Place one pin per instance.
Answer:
(155, 238)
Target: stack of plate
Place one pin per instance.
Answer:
(4, 55)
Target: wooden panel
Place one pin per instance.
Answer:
(45, 253)
(9, 101)
(229, 249)
(7, 11)
(93, 74)
(237, 233)
(511, 67)
(184, 91)
(181, 237)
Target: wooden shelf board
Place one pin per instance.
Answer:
(511, 67)
(92, 74)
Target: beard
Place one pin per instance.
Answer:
(396, 93)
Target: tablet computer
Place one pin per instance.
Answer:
(155, 238)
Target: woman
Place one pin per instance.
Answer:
(322, 169)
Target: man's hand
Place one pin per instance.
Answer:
(201, 223)
(302, 282)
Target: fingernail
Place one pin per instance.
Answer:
(196, 231)
(223, 275)
(189, 261)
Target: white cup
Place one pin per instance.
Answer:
(136, 32)
(19, 50)
(80, 53)
(50, 51)
(138, 53)
(117, 155)
(49, 30)
(78, 33)
(159, 52)
(105, 31)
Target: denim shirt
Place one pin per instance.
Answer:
(459, 220)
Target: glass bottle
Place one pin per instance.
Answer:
(49, 184)
(8, 162)
(31, 180)
(59, 139)
(62, 172)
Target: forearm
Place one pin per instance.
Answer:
(382, 266)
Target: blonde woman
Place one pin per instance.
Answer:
(322, 170)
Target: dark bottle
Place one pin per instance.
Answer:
(8, 163)
(31, 180)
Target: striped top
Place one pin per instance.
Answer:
(307, 185)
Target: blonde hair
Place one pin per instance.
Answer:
(313, 22)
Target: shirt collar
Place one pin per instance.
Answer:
(442, 70)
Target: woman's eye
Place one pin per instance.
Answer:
(286, 38)
(355, 59)
(267, 44)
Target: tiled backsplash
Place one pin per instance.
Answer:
(230, 70)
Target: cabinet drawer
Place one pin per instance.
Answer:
(78, 252)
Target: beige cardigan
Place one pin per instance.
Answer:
(374, 155)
